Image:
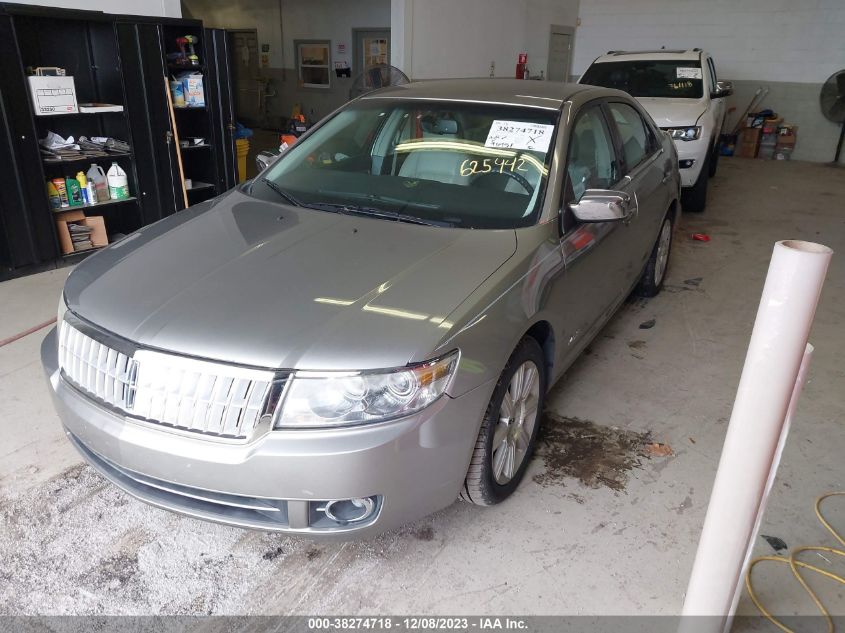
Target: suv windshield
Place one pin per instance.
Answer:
(649, 78)
(443, 163)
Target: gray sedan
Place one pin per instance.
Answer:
(367, 330)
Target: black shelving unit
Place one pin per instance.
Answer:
(121, 60)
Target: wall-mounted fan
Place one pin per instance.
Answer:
(832, 99)
(375, 77)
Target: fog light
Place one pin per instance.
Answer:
(686, 163)
(350, 510)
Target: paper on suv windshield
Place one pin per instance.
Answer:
(520, 135)
(685, 72)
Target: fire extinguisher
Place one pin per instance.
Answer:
(522, 66)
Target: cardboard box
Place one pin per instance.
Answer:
(192, 86)
(748, 142)
(52, 95)
(99, 237)
(787, 136)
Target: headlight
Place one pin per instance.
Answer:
(325, 399)
(684, 133)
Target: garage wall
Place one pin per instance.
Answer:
(316, 19)
(790, 46)
(460, 38)
(166, 8)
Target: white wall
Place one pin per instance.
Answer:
(760, 40)
(166, 8)
(459, 38)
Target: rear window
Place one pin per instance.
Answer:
(649, 78)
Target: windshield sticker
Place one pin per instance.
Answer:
(520, 135)
(685, 72)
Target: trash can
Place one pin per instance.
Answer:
(242, 148)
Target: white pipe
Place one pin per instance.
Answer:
(767, 392)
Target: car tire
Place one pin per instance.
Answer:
(658, 263)
(714, 159)
(505, 442)
(695, 198)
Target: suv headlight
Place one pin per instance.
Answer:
(685, 133)
(327, 399)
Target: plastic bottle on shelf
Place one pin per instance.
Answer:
(89, 193)
(56, 201)
(98, 177)
(118, 183)
(74, 192)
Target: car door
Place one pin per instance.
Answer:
(594, 254)
(644, 178)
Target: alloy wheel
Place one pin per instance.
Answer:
(517, 418)
(663, 244)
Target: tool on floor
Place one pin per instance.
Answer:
(176, 138)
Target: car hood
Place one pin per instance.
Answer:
(271, 285)
(673, 112)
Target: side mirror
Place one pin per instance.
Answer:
(723, 89)
(266, 158)
(603, 205)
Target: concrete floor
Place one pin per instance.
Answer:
(597, 527)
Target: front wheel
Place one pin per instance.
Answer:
(655, 270)
(509, 429)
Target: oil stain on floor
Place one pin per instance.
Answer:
(597, 456)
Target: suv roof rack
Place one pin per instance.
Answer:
(676, 51)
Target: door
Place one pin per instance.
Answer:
(560, 53)
(27, 229)
(142, 61)
(246, 78)
(372, 46)
(644, 180)
(221, 94)
(594, 253)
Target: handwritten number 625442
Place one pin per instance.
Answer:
(471, 167)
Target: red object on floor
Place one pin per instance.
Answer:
(701, 237)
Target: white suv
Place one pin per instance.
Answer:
(679, 90)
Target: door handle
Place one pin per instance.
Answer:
(666, 176)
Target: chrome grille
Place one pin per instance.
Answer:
(188, 394)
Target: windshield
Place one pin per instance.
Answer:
(649, 78)
(444, 163)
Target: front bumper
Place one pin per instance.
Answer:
(410, 467)
(695, 151)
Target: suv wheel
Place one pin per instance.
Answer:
(714, 158)
(695, 198)
(509, 429)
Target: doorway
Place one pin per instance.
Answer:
(371, 46)
(560, 53)
(247, 81)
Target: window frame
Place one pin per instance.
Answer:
(713, 80)
(652, 144)
(297, 47)
(567, 194)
